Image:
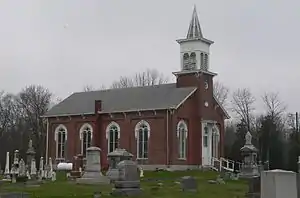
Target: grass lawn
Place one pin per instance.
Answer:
(63, 188)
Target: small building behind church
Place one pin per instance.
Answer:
(178, 125)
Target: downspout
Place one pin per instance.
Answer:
(47, 139)
(168, 138)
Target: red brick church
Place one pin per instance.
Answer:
(178, 125)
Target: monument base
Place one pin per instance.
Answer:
(113, 174)
(126, 191)
(93, 178)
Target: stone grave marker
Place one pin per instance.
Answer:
(254, 185)
(22, 168)
(189, 183)
(92, 173)
(278, 184)
(114, 159)
(128, 182)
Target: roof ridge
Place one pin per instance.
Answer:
(124, 88)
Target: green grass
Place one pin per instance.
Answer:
(63, 188)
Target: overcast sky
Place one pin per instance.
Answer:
(257, 43)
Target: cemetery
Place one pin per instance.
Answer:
(124, 177)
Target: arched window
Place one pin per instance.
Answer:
(112, 136)
(186, 61)
(202, 60)
(193, 60)
(182, 132)
(142, 134)
(205, 62)
(60, 139)
(205, 137)
(86, 134)
(215, 141)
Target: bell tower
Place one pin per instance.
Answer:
(194, 56)
(194, 49)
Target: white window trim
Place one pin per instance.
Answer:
(136, 130)
(56, 140)
(182, 123)
(205, 135)
(108, 131)
(86, 125)
(216, 133)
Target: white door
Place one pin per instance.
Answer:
(206, 146)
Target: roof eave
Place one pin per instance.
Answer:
(66, 115)
(198, 71)
(209, 42)
(134, 110)
(221, 106)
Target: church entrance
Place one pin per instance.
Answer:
(210, 143)
(206, 146)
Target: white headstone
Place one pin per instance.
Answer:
(278, 184)
(6, 172)
(22, 168)
(42, 172)
(33, 167)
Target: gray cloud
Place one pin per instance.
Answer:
(256, 42)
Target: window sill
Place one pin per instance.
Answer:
(182, 159)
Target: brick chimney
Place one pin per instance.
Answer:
(98, 106)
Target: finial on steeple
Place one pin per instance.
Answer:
(194, 28)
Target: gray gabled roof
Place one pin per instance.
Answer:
(123, 100)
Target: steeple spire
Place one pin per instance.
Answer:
(194, 28)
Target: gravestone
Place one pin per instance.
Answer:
(128, 182)
(278, 184)
(30, 154)
(249, 152)
(189, 183)
(114, 159)
(33, 172)
(7, 170)
(77, 166)
(92, 173)
(22, 168)
(254, 185)
(41, 169)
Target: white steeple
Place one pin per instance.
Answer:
(194, 49)
(195, 28)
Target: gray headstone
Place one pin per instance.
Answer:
(22, 168)
(92, 173)
(254, 187)
(189, 183)
(128, 171)
(128, 182)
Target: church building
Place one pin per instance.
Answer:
(178, 125)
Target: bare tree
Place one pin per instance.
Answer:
(221, 92)
(243, 105)
(88, 88)
(9, 112)
(274, 106)
(34, 101)
(149, 77)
